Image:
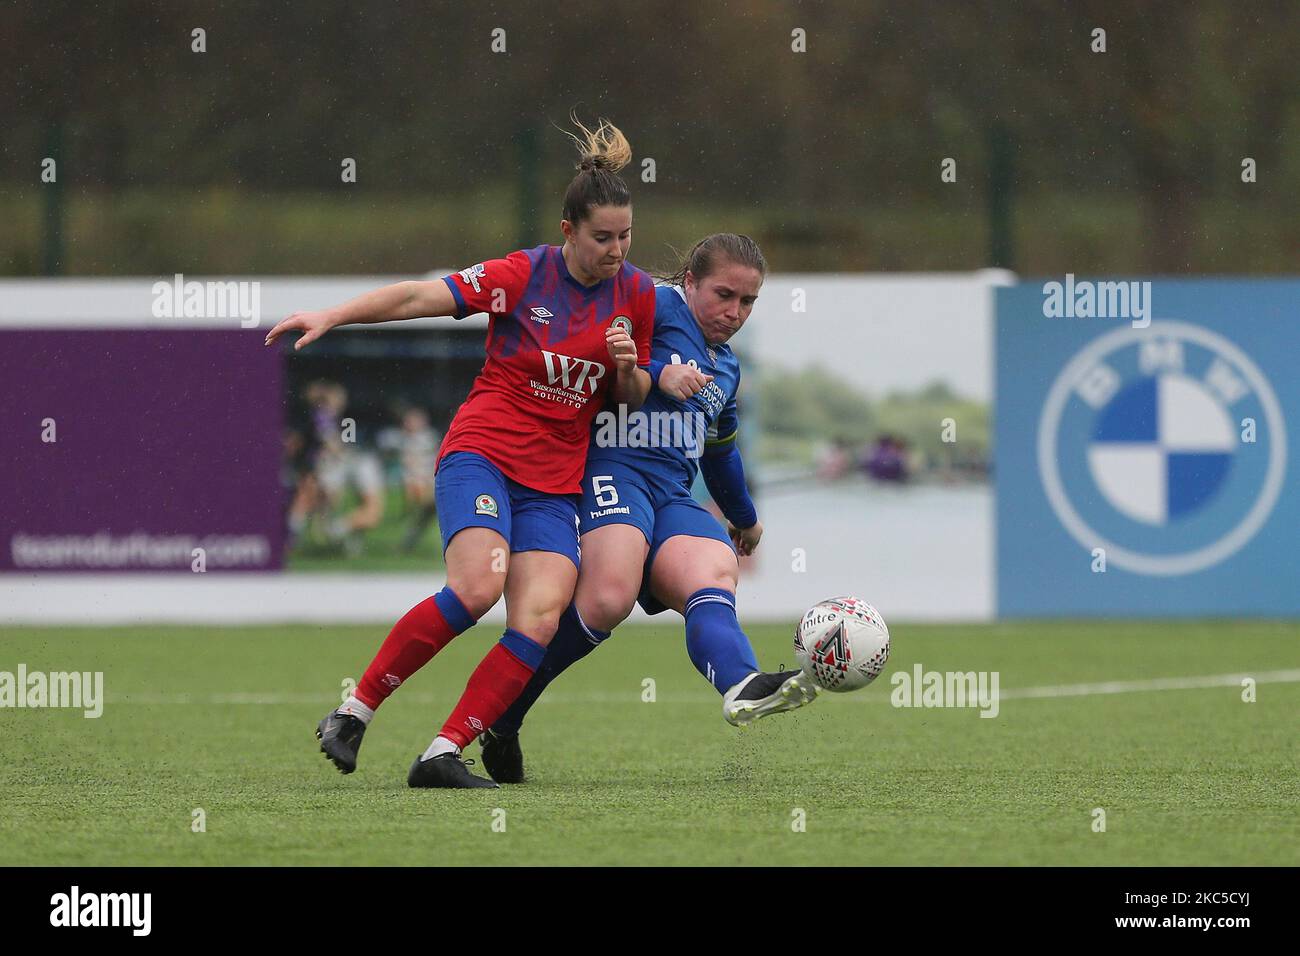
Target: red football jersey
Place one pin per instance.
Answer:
(548, 370)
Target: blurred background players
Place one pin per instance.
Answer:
(415, 445)
(334, 464)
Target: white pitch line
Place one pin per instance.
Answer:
(1154, 683)
(610, 697)
(272, 699)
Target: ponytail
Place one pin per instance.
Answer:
(604, 151)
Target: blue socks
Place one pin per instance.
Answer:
(572, 642)
(718, 647)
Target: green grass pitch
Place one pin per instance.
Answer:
(222, 720)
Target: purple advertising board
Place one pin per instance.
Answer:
(140, 450)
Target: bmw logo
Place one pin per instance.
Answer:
(1164, 445)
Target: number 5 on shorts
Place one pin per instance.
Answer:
(602, 486)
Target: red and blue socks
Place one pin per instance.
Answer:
(422, 632)
(573, 641)
(495, 684)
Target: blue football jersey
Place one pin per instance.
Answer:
(665, 438)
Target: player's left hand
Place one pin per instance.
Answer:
(621, 349)
(745, 539)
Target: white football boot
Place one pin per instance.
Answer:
(761, 694)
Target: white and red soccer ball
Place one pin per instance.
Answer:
(842, 643)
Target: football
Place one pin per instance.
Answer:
(842, 643)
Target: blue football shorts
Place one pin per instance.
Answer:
(471, 492)
(615, 493)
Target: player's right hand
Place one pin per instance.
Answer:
(682, 381)
(312, 325)
(745, 540)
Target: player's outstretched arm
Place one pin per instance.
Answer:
(401, 300)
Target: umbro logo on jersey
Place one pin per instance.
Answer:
(471, 276)
(541, 315)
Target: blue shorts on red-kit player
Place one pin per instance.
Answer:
(474, 493)
(513, 458)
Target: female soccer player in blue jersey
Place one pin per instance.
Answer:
(568, 327)
(643, 535)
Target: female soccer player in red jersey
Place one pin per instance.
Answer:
(569, 326)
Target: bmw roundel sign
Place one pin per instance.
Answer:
(1143, 469)
(1164, 412)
